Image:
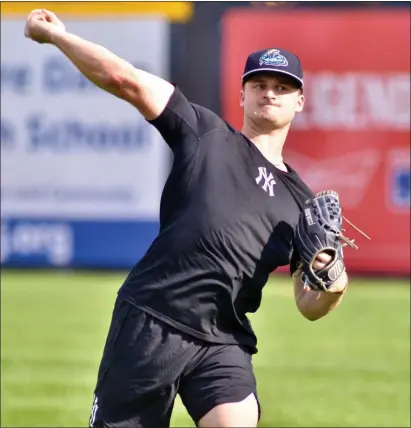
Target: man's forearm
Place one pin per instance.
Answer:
(315, 304)
(95, 62)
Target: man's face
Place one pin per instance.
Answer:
(271, 100)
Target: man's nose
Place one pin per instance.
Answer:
(270, 94)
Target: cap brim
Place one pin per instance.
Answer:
(250, 73)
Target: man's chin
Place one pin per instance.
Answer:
(269, 122)
(268, 119)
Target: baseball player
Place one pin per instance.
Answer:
(232, 211)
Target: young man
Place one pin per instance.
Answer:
(228, 217)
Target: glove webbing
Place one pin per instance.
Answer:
(347, 241)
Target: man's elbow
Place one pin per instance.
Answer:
(310, 315)
(313, 317)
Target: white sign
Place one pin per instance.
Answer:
(68, 149)
(351, 174)
(355, 101)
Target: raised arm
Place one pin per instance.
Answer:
(148, 93)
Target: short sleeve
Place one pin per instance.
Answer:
(178, 120)
(183, 123)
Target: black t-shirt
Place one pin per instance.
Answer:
(227, 219)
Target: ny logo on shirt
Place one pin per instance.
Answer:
(269, 181)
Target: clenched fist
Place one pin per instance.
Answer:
(41, 25)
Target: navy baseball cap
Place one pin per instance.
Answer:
(276, 60)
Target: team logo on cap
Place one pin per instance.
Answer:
(274, 58)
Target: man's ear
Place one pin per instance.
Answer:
(300, 103)
(242, 98)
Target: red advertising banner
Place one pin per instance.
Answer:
(354, 133)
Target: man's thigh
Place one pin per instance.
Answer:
(222, 374)
(240, 414)
(138, 376)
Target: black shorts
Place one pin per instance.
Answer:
(146, 363)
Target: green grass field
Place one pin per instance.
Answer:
(350, 369)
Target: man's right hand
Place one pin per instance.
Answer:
(41, 24)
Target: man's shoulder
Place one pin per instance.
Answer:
(209, 121)
(183, 119)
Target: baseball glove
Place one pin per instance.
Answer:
(320, 229)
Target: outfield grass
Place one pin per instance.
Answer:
(351, 369)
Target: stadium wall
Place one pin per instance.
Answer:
(82, 173)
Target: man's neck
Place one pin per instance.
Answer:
(269, 144)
